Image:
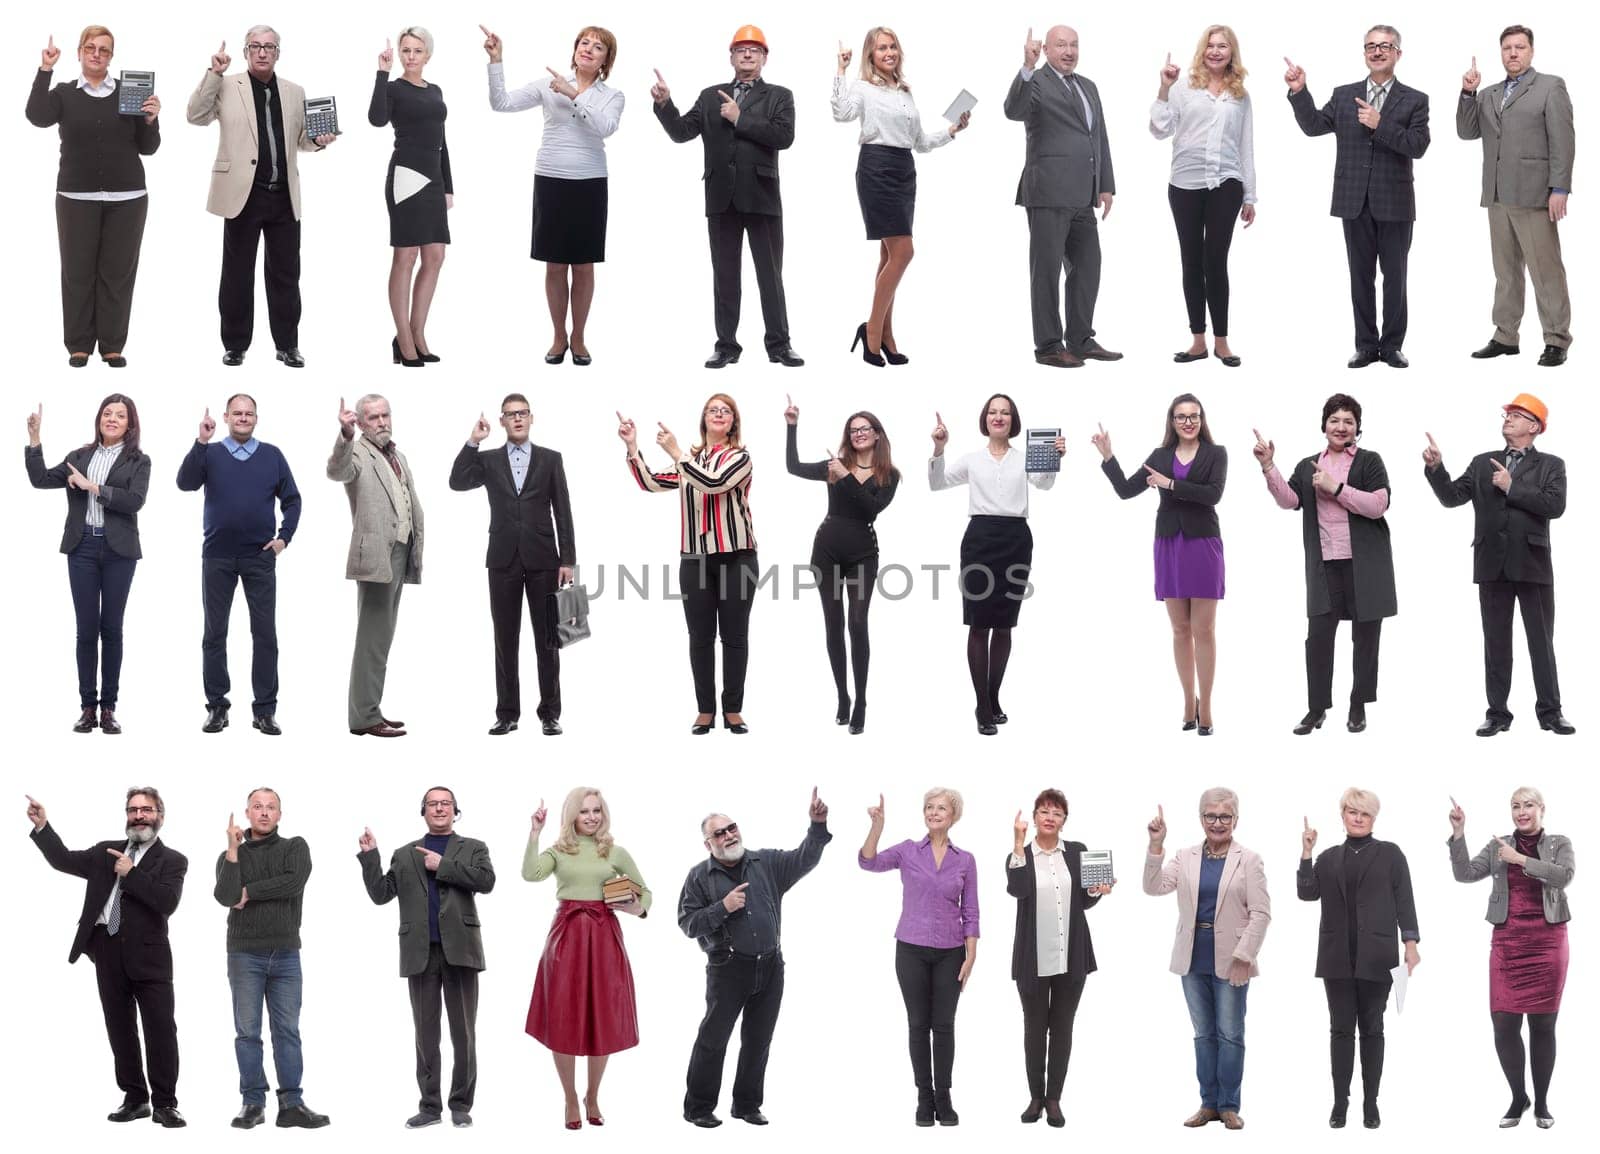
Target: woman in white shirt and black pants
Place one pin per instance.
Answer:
(997, 549)
(886, 177)
(1213, 177)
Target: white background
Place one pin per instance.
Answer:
(1094, 704)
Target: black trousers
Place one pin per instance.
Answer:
(1323, 630)
(121, 995)
(1049, 1006)
(507, 589)
(930, 983)
(1355, 1003)
(718, 592)
(266, 216)
(99, 242)
(258, 572)
(727, 232)
(1538, 603)
(1368, 245)
(455, 990)
(736, 985)
(1205, 219)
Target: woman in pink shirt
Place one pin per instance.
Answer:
(1342, 493)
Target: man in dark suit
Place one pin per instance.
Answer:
(435, 878)
(1065, 177)
(743, 125)
(134, 886)
(1515, 493)
(531, 553)
(1381, 126)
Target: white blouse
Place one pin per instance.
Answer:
(1213, 138)
(888, 115)
(1052, 907)
(573, 146)
(994, 488)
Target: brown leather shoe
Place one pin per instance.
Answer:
(1200, 1117)
(1232, 1121)
(381, 729)
(1058, 359)
(393, 724)
(109, 722)
(1092, 350)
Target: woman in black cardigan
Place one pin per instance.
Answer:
(1043, 877)
(1342, 494)
(100, 195)
(1189, 471)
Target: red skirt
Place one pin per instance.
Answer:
(583, 1001)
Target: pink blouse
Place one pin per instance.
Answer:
(1333, 513)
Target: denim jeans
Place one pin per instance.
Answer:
(272, 976)
(100, 579)
(1217, 1011)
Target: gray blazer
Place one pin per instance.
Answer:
(464, 871)
(1068, 164)
(375, 501)
(1554, 867)
(1528, 145)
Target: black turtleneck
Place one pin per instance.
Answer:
(1353, 847)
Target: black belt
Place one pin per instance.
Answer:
(272, 185)
(1203, 926)
(94, 530)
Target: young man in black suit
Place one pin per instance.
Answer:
(531, 553)
(135, 883)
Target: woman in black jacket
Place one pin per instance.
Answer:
(1189, 471)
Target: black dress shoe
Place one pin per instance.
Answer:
(1494, 349)
(1394, 358)
(1357, 721)
(704, 1121)
(986, 724)
(1052, 1113)
(292, 359)
(1336, 1117)
(721, 359)
(998, 714)
(786, 357)
(858, 717)
(78, 360)
(924, 1115)
(1310, 721)
(1231, 360)
(168, 1116)
(418, 1121)
(460, 1119)
(1362, 359)
(1552, 356)
(754, 1117)
(1369, 1117)
(1092, 350)
(502, 727)
(248, 1117)
(129, 1112)
(841, 716)
(1558, 725)
(1035, 1110)
(555, 358)
(301, 1115)
(108, 722)
(700, 729)
(268, 725)
(216, 719)
(582, 360)
(87, 720)
(1492, 726)
(118, 361)
(735, 727)
(944, 1113)
(233, 358)
(550, 727)
(1186, 356)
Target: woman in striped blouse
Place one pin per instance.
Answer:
(717, 572)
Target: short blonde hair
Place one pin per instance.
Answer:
(1360, 800)
(1220, 795)
(1528, 793)
(950, 795)
(94, 30)
(416, 32)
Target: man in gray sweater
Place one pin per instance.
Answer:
(261, 878)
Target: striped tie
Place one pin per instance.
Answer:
(114, 918)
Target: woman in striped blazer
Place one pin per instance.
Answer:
(717, 571)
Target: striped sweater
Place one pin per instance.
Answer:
(713, 488)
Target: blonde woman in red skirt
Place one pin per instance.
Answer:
(583, 1001)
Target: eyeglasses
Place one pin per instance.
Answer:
(863, 430)
(1384, 47)
(726, 831)
(262, 49)
(719, 411)
(141, 811)
(1222, 819)
(95, 50)
(1186, 418)
(1529, 417)
(516, 414)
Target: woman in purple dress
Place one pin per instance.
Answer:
(1188, 471)
(1531, 870)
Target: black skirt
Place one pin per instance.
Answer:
(996, 556)
(886, 183)
(420, 218)
(569, 220)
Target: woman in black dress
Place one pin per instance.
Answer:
(862, 481)
(418, 191)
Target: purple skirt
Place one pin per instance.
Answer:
(1189, 567)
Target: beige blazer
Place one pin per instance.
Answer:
(376, 498)
(229, 101)
(1528, 145)
(1243, 907)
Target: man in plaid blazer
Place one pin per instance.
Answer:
(1381, 126)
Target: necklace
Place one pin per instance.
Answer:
(1354, 850)
(1216, 856)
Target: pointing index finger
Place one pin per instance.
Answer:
(659, 79)
(725, 97)
(1307, 822)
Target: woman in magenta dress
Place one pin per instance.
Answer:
(1531, 870)
(1188, 471)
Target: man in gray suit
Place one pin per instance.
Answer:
(436, 878)
(385, 549)
(1525, 123)
(1065, 177)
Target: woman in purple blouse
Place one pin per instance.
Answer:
(936, 941)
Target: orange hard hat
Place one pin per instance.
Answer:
(1533, 406)
(749, 34)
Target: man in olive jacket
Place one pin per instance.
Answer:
(441, 948)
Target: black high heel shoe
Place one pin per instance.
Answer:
(986, 724)
(701, 728)
(867, 354)
(428, 358)
(734, 726)
(858, 717)
(842, 715)
(1194, 720)
(1310, 721)
(893, 356)
(400, 358)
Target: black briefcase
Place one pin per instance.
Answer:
(566, 616)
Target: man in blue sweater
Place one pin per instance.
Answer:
(243, 537)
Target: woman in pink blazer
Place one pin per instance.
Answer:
(1223, 911)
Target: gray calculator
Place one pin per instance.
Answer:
(322, 117)
(1041, 452)
(1094, 868)
(133, 89)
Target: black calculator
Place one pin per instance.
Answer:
(1094, 868)
(133, 89)
(322, 117)
(1041, 455)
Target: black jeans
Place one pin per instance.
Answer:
(259, 574)
(735, 984)
(100, 580)
(1323, 629)
(1205, 218)
(454, 989)
(718, 591)
(1353, 1003)
(121, 995)
(1048, 1007)
(507, 588)
(930, 983)
(270, 216)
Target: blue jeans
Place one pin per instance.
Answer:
(272, 976)
(100, 579)
(1217, 1011)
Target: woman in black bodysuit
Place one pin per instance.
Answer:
(861, 481)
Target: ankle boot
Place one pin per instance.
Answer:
(925, 1106)
(944, 1113)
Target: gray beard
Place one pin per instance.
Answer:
(731, 855)
(381, 438)
(142, 834)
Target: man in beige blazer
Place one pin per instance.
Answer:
(1525, 123)
(255, 188)
(385, 549)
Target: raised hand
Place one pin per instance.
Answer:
(845, 56)
(1295, 77)
(491, 45)
(734, 902)
(1431, 457)
(1263, 451)
(818, 809)
(1030, 51)
(49, 56)
(940, 434)
(1019, 830)
(430, 859)
(1157, 830)
(347, 421)
(558, 83)
(1502, 476)
(386, 57)
(36, 813)
(123, 865)
(792, 413)
(730, 107)
(1157, 480)
(235, 836)
(1169, 74)
(536, 822)
(659, 92)
(1471, 78)
(629, 435)
(1367, 114)
(875, 813)
(480, 430)
(220, 59)
(208, 427)
(1308, 839)
(35, 419)
(1458, 820)
(366, 842)
(667, 441)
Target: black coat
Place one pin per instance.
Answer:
(741, 171)
(535, 524)
(1373, 167)
(1510, 531)
(1384, 910)
(1190, 506)
(121, 496)
(1370, 554)
(1020, 884)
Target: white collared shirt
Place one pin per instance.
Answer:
(1213, 138)
(888, 115)
(1052, 907)
(136, 852)
(995, 488)
(1072, 84)
(573, 146)
(100, 463)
